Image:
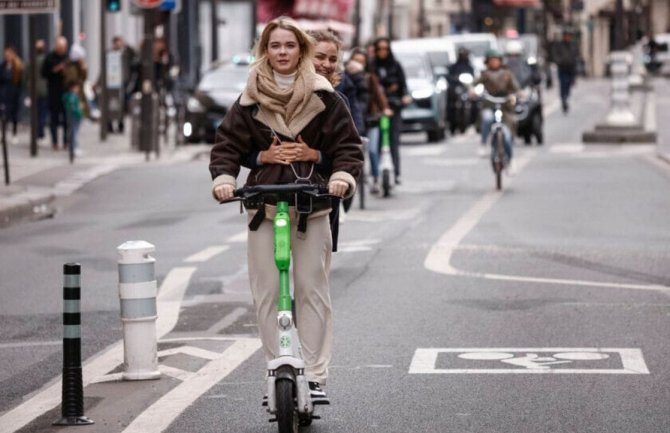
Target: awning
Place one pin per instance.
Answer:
(517, 3)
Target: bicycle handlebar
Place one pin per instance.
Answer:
(248, 192)
(495, 99)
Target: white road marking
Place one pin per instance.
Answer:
(30, 344)
(169, 299)
(439, 257)
(632, 361)
(239, 237)
(163, 412)
(426, 150)
(386, 215)
(190, 350)
(357, 246)
(206, 254)
(452, 162)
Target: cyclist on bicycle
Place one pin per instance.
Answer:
(291, 118)
(498, 81)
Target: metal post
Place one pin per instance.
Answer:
(104, 97)
(5, 157)
(215, 30)
(148, 131)
(72, 404)
(138, 290)
(618, 25)
(34, 102)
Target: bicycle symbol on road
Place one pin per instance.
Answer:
(533, 360)
(528, 360)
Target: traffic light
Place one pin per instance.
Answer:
(113, 5)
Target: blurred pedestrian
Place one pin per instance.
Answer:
(373, 104)
(41, 95)
(566, 56)
(72, 105)
(76, 71)
(11, 82)
(130, 67)
(392, 78)
(53, 70)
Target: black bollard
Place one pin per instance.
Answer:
(72, 401)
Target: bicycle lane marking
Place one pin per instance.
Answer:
(165, 410)
(547, 360)
(439, 257)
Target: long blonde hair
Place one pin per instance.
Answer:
(305, 42)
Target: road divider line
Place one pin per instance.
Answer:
(439, 257)
(206, 254)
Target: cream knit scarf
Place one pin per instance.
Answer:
(289, 110)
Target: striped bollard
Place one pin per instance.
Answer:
(72, 398)
(138, 290)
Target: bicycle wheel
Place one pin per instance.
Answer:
(498, 156)
(386, 182)
(287, 419)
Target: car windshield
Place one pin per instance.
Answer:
(225, 78)
(439, 58)
(476, 48)
(413, 64)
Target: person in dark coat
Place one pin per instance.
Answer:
(11, 82)
(565, 54)
(392, 78)
(291, 118)
(53, 70)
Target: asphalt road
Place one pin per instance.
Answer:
(457, 309)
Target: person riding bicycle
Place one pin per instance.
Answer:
(291, 118)
(498, 81)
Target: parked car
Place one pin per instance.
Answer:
(477, 44)
(427, 111)
(216, 92)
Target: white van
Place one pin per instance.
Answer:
(477, 44)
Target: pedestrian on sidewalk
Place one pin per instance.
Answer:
(73, 114)
(566, 55)
(11, 81)
(42, 92)
(130, 67)
(76, 71)
(53, 70)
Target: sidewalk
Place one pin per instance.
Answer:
(37, 181)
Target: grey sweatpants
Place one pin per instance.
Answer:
(311, 269)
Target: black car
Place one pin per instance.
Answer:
(216, 92)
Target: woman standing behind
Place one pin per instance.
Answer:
(11, 80)
(392, 78)
(374, 104)
(291, 118)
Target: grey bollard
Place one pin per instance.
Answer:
(137, 291)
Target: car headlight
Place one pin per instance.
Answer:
(194, 106)
(422, 93)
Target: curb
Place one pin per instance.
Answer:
(32, 203)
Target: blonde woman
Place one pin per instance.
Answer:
(290, 120)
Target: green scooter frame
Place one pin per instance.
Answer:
(385, 160)
(288, 393)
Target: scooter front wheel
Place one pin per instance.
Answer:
(287, 418)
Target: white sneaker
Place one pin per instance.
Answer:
(481, 152)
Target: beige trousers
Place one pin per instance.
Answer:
(311, 269)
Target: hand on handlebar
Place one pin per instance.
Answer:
(338, 188)
(224, 192)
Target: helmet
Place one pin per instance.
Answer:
(513, 48)
(492, 53)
